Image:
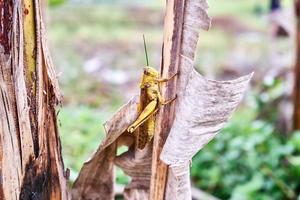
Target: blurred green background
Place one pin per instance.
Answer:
(98, 51)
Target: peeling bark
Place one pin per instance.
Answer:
(183, 19)
(296, 116)
(31, 165)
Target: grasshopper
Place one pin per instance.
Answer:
(150, 101)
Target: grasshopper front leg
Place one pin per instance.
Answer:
(147, 112)
(163, 80)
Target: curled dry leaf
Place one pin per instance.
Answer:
(202, 108)
(202, 111)
(137, 164)
(178, 182)
(96, 178)
(118, 124)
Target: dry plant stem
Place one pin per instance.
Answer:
(296, 120)
(169, 65)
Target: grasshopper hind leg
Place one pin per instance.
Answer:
(164, 102)
(146, 113)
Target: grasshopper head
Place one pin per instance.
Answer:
(150, 71)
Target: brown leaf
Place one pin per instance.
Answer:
(96, 178)
(202, 106)
(118, 124)
(202, 111)
(137, 164)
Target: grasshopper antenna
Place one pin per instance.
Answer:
(145, 48)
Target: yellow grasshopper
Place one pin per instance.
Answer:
(150, 101)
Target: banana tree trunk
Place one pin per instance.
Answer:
(31, 165)
(297, 70)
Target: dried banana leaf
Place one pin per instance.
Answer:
(96, 178)
(202, 107)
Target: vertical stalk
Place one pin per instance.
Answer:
(31, 165)
(30, 51)
(296, 117)
(169, 65)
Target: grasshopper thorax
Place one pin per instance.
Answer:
(150, 71)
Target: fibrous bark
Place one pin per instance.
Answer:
(31, 165)
(296, 116)
(183, 20)
(202, 107)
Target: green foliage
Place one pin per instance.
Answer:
(81, 132)
(249, 160)
(56, 2)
